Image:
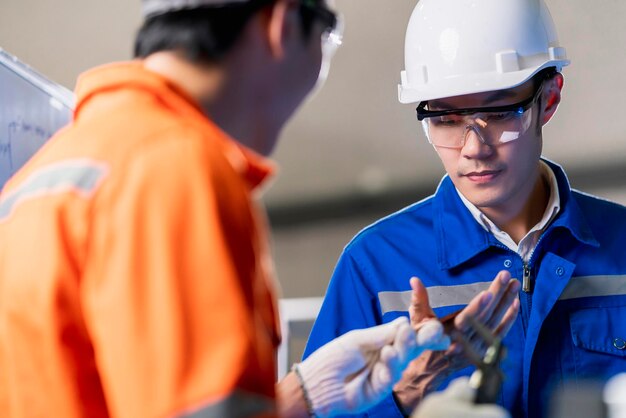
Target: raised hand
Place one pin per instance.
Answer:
(496, 308)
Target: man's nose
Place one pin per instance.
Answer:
(475, 144)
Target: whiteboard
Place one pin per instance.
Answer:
(32, 108)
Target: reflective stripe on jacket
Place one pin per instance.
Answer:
(570, 326)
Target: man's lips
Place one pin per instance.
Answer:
(483, 176)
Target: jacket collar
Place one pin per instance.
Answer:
(571, 216)
(460, 237)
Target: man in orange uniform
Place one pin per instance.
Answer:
(134, 276)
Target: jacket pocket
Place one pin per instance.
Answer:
(599, 338)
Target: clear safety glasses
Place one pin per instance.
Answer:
(332, 36)
(493, 126)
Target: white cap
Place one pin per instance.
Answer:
(151, 8)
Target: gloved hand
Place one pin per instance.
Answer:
(457, 401)
(357, 370)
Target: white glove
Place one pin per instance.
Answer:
(357, 370)
(457, 401)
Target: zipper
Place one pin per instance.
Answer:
(527, 276)
(525, 297)
(526, 282)
(526, 287)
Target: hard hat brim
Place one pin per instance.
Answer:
(469, 84)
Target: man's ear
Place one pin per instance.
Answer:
(280, 26)
(551, 96)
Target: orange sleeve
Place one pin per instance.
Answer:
(168, 292)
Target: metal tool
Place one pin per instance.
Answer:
(488, 377)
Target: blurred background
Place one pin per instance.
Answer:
(353, 153)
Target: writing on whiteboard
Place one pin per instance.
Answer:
(21, 137)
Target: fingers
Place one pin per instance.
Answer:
(430, 336)
(470, 351)
(389, 368)
(498, 289)
(508, 319)
(510, 296)
(476, 306)
(405, 343)
(380, 335)
(420, 309)
(491, 306)
(496, 308)
(395, 358)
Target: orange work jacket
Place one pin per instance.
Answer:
(134, 276)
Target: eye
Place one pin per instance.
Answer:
(446, 121)
(500, 116)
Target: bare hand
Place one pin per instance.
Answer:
(496, 308)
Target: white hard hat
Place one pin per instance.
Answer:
(151, 8)
(457, 47)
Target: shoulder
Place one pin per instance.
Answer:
(175, 167)
(174, 154)
(129, 128)
(595, 206)
(399, 228)
(607, 219)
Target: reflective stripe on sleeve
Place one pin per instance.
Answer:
(237, 405)
(590, 286)
(80, 176)
(439, 297)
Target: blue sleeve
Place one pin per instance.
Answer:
(349, 304)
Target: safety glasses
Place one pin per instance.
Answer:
(494, 125)
(332, 36)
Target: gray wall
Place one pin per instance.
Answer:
(353, 150)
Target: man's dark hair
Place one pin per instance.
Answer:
(538, 78)
(544, 74)
(202, 34)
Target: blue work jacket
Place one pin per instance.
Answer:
(571, 325)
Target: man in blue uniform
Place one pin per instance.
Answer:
(486, 78)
